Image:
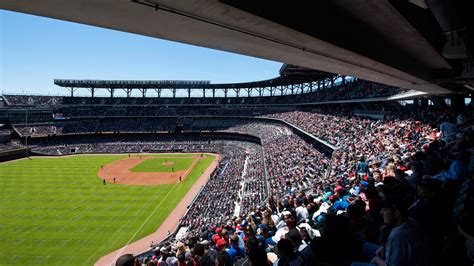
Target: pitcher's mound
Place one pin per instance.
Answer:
(167, 163)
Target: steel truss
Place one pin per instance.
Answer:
(274, 87)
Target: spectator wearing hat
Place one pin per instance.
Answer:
(221, 244)
(206, 244)
(164, 254)
(262, 232)
(217, 236)
(125, 260)
(406, 244)
(296, 239)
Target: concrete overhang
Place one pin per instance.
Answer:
(216, 25)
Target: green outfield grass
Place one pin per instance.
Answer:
(57, 211)
(157, 164)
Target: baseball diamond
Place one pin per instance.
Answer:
(53, 205)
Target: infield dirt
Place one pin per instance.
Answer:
(120, 170)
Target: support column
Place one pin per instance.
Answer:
(416, 102)
(424, 102)
(189, 93)
(111, 90)
(92, 92)
(272, 89)
(174, 92)
(204, 93)
(213, 93)
(457, 103)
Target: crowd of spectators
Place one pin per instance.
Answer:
(389, 200)
(10, 145)
(357, 89)
(254, 191)
(262, 129)
(32, 100)
(293, 165)
(209, 208)
(5, 132)
(39, 130)
(394, 192)
(117, 125)
(266, 131)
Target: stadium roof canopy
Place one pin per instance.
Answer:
(416, 44)
(292, 80)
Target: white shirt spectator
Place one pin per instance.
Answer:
(301, 213)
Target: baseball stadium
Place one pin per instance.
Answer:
(356, 152)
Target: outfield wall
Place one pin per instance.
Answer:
(14, 154)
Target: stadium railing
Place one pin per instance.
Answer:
(265, 172)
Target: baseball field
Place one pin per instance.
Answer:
(69, 211)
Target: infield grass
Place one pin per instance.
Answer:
(56, 211)
(163, 164)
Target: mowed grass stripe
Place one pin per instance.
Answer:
(41, 215)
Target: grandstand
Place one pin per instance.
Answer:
(278, 154)
(311, 168)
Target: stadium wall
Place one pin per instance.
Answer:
(158, 136)
(14, 154)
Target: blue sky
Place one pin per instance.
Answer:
(35, 50)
